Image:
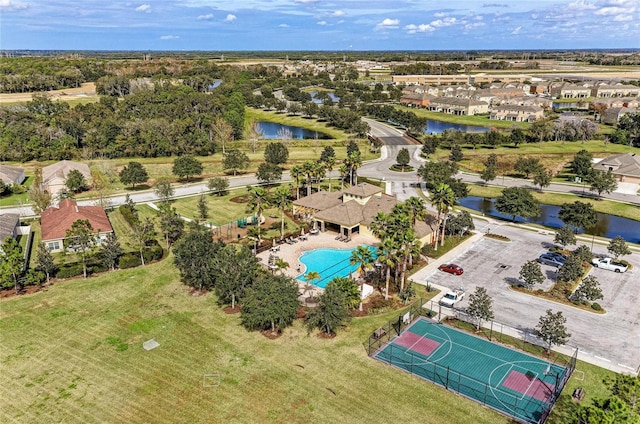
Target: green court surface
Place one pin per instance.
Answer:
(517, 384)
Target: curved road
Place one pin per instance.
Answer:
(398, 183)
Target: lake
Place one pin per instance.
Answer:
(608, 226)
(438, 127)
(332, 96)
(272, 131)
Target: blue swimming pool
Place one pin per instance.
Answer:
(329, 263)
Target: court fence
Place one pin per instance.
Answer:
(520, 407)
(393, 328)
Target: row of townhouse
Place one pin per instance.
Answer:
(583, 90)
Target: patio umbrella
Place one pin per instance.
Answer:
(273, 244)
(302, 231)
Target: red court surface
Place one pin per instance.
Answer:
(528, 385)
(417, 343)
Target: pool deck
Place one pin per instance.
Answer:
(291, 253)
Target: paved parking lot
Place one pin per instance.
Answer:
(614, 336)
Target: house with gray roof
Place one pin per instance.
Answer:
(9, 223)
(626, 167)
(54, 176)
(11, 175)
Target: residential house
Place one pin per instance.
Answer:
(351, 210)
(54, 176)
(9, 224)
(11, 175)
(458, 106)
(619, 90)
(55, 221)
(613, 114)
(416, 99)
(570, 91)
(626, 167)
(516, 113)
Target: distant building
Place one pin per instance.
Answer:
(55, 221)
(613, 114)
(620, 90)
(458, 106)
(626, 167)
(516, 113)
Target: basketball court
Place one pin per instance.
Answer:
(517, 384)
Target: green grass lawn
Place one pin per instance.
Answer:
(74, 354)
(482, 121)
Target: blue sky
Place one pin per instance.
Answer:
(318, 24)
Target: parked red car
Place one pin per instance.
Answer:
(451, 269)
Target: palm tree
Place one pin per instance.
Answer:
(319, 172)
(387, 256)
(282, 201)
(296, 173)
(344, 171)
(442, 198)
(309, 277)
(353, 162)
(329, 163)
(364, 256)
(258, 201)
(281, 265)
(416, 208)
(308, 168)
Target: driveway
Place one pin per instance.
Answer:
(612, 338)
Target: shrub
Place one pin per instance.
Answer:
(153, 253)
(98, 267)
(596, 306)
(129, 260)
(67, 271)
(128, 215)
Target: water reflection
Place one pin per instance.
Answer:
(438, 127)
(272, 130)
(608, 226)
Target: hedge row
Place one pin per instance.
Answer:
(129, 215)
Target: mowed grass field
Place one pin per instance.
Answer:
(74, 354)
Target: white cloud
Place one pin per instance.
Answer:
(230, 18)
(388, 23)
(321, 22)
(474, 25)
(206, 17)
(581, 5)
(443, 22)
(440, 15)
(614, 10)
(338, 13)
(169, 37)
(283, 26)
(516, 31)
(144, 8)
(622, 18)
(412, 28)
(305, 1)
(11, 5)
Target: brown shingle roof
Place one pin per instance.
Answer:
(56, 221)
(320, 201)
(363, 190)
(347, 214)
